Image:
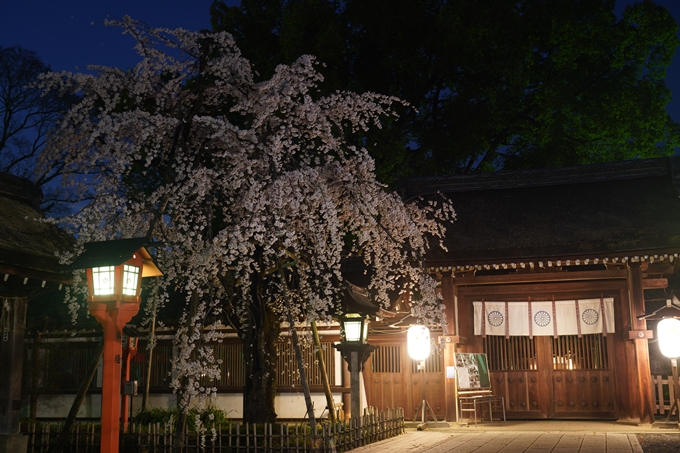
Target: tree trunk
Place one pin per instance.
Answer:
(324, 377)
(259, 353)
(301, 370)
(181, 426)
(78, 401)
(298, 353)
(149, 360)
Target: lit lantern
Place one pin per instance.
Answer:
(418, 338)
(114, 270)
(355, 351)
(355, 327)
(668, 331)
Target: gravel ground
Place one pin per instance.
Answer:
(659, 443)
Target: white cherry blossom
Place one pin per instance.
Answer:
(239, 180)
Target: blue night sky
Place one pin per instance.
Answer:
(70, 34)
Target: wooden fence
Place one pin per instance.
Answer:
(232, 437)
(664, 394)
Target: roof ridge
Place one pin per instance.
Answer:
(629, 169)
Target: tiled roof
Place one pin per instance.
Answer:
(629, 210)
(27, 245)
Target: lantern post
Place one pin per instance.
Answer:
(355, 350)
(114, 281)
(418, 339)
(668, 332)
(129, 387)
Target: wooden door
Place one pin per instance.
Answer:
(384, 377)
(432, 377)
(546, 377)
(583, 378)
(392, 380)
(518, 373)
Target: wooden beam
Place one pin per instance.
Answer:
(640, 334)
(542, 277)
(641, 393)
(659, 267)
(543, 288)
(453, 339)
(654, 283)
(7, 270)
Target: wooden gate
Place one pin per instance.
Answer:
(392, 380)
(546, 377)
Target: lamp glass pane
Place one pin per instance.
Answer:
(418, 338)
(668, 331)
(102, 280)
(130, 277)
(353, 330)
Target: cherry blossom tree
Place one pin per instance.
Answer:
(256, 193)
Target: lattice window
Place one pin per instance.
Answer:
(60, 366)
(287, 370)
(510, 354)
(433, 364)
(386, 359)
(160, 366)
(586, 353)
(232, 367)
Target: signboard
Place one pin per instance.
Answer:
(130, 388)
(472, 370)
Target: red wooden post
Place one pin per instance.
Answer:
(129, 351)
(114, 276)
(112, 316)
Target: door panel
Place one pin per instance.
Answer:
(516, 374)
(393, 380)
(521, 390)
(582, 377)
(434, 387)
(384, 377)
(584, 393)
(565, 377)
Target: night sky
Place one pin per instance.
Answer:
(70, 34)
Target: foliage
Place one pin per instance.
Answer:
(27, 115)
(494, 83)
(210, 416)
(251, 190)
(153, 415)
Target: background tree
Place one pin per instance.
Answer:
(254, 189)
(25, 118)
(494, 83)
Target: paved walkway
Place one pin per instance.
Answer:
(516, 437)
(507, 442)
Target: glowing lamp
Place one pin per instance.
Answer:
(668, 331)
(355, 327)
(418, 338)
(115, 269)
(114, 283)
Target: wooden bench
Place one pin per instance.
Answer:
(469, 399)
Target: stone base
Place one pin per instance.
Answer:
(438, 425)
(422, 426)
(13, 443)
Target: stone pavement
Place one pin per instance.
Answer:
(516, 437)
(506, 442)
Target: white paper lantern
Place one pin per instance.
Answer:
(668, 331)
(418, 342)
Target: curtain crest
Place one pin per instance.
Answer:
(548, 318)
